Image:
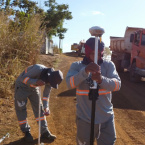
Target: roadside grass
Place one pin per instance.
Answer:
(56, 62)
(17, 50)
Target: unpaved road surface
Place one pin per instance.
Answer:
(129, 108)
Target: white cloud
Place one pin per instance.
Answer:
(97, 13)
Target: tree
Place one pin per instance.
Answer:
(20, 12)
(27, 10)
(60, 33)
(54, 18)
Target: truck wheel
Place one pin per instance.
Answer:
(133, 76)
(118, 66)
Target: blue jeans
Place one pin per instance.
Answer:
(107, 132)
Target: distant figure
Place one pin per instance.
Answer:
(27, 87)
(105, 74)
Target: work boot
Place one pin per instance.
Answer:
(28, 137)
(47, 135)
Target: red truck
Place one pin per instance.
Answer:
(128, 52)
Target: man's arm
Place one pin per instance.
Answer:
(112, 81)
(28, 76)
(46, 95)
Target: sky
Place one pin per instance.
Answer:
(112, 15)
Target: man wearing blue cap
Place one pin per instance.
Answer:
(27, 87)
(106, 76)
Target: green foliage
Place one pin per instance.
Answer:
(60, 49)
(61, 31)
(54, 18)
(21, 12)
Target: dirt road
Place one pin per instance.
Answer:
(129, 108)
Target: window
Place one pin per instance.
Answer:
(137, 38)
(143, 39)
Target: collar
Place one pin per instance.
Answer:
(86, 61)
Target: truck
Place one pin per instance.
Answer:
(74, 47)
(128, 52)
(79, 48)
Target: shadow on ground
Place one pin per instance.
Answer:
(72, 54)
(131, 95)
(68, 93)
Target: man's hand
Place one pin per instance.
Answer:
(92, 68)
(40, 83)
(46, 111)
(97, 77)
(95, 69)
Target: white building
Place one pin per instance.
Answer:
(47, 47)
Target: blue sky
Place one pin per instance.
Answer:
(113, 15)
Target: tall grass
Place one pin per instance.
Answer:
(57, 50)
(17, 50)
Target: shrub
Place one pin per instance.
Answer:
(57, 50)
(18, 49)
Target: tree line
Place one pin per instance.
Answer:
(23, 28)
(20, 12)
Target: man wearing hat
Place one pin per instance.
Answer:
(106, 76)
(27, 87)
